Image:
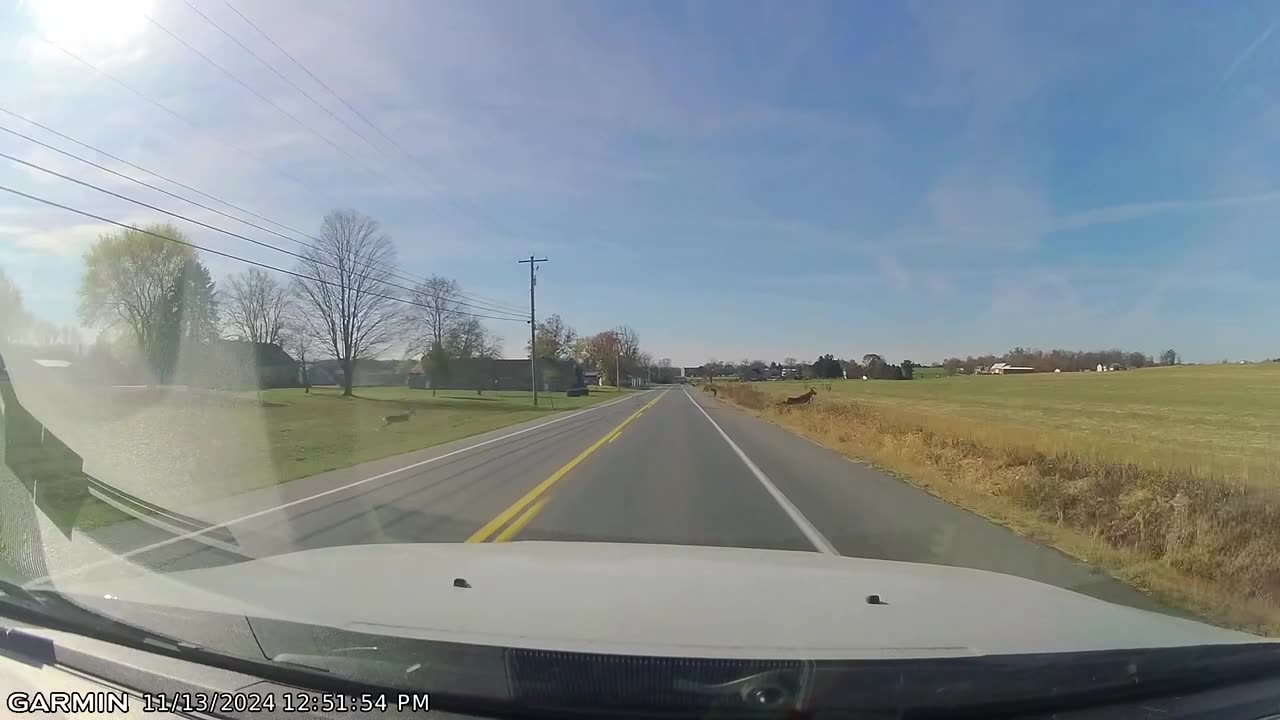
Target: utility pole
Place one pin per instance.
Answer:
(533, 328)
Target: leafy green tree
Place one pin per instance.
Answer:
(188, 316)
(876, 368)
(436, 363)
(153, 288)
(827, 366)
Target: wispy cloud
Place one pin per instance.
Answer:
(1136, 211)
(1248, 52)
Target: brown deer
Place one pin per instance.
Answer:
(800, 399)
(388, 420)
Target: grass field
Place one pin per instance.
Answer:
(929, 373)
(1215, 419)
(1167, 477)
(321, 431)
(175, 448)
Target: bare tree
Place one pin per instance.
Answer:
(436, 311)
(257, 306)
(628, 342)
(344, 298)
(555, 338)
(297, 340)
(468, 338)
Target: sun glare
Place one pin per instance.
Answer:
(85, 25)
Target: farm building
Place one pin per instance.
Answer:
(367, 372)
(1007, 369)
(492, 374)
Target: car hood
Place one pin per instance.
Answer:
(662, 600)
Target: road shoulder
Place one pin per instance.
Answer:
(866, 512)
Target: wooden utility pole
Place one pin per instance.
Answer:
(533, 327)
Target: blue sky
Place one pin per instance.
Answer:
(731, 179)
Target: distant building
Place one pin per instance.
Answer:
(367, 372)
(1007, 369)
(495, 374)
(239, 364)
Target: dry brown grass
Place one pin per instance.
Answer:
(1209, 544)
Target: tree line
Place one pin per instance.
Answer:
(614, 353)
(1064, 360)
(151, 290)
(828, 366)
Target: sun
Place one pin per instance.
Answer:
(86, 25)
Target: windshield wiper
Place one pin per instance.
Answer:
(46, 607)
(16, 592)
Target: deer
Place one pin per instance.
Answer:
(800, 399)
(388, 420)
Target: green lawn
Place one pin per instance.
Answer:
(320, 431)
(180, 447)
(1221, 419)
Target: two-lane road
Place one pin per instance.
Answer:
(664, 466)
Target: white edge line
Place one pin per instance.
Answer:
(819, 542)
(309, 498)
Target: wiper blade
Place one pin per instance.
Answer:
(51, 608)
(16, 592)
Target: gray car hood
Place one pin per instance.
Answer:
(663, 600)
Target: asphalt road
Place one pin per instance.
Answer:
(664, 466)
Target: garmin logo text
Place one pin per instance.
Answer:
(102, 701)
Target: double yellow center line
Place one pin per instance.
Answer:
(523, 511)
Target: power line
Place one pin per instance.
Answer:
(210, 227)
(480, 302)
(312, 75)
(408, 155)
(197, 204)
(262, 97)
(117, 80)
(195, 246)
(192, 245)
(335, 94)
(149, 99)
(499, 306)
(280, 75)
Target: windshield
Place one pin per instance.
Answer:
(765, 332)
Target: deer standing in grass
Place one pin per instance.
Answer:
(388, 420)
(800, 399)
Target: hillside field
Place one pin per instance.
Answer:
(1222, 420)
